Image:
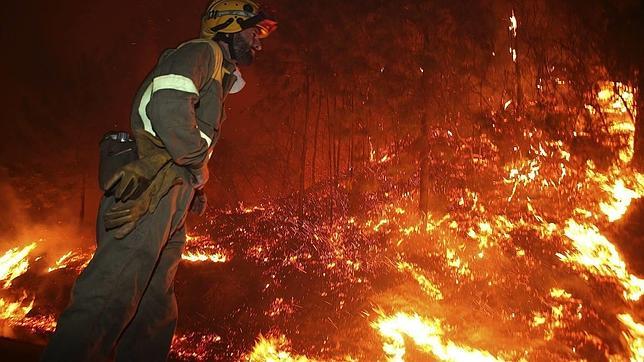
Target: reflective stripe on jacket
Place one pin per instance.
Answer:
(181, 101)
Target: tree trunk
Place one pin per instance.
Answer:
(315, 137)
(638, 158)
(81, 216)
(304, 146)
(423, 191)
(330, 151)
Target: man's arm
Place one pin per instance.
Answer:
(175, 92)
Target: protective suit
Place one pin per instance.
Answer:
(123, 303)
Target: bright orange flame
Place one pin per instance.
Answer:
(14, 263)
(622, 197)
(617, 103)
(202, 256)
(61, 262)
(273, 350)
(15, 310)
(600, 257)
(426, 285)
(560, 293)
(634, 336)
(427, 335)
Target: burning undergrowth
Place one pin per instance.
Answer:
(518, 260)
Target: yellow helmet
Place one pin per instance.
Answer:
(233, 16)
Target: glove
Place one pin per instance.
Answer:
(199, 203)
(200, 176)
(132, 179)
(124, 216)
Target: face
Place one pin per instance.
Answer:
(245, 44)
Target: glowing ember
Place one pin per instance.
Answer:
(193, 346)
(37, 324)
(15, 310)
(427, 335)
(274, 350)
(380, 224)
(14, 263)
(600, 257)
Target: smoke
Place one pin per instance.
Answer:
(49, 221)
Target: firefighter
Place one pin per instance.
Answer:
(122, 304)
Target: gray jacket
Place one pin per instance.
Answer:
(181, 101)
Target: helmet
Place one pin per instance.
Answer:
(233, 16)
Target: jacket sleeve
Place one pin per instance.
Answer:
(175, 93)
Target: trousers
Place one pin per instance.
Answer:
(123, 305)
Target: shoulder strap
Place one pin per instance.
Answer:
(218, 57)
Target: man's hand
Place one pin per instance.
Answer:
(129, 182)
(124, 216)
(134, 178)
(200, 176)
(199, 203)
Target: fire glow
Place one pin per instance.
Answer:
(488, 267)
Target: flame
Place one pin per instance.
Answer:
(380, 224)
(61, 262)
(14, 263)
(425, 284)
(273, 350)
(427, 335)
(201, 256)
(622, 197)
(514, 25)
(600, 257)
(15, 310)
(617, 103)
(560, 293)
(634, 335)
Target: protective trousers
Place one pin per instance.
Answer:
(123, 304)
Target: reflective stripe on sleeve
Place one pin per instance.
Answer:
(171, 81)
(145, 100)
(205, 137)
(174, 81)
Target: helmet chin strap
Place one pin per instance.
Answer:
(228, 39)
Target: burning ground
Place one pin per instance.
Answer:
(528, 255)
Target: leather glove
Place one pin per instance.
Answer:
(124, 216)
(199, 203)
(132, 179)
(200, 176)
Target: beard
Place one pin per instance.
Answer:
(241, 51)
